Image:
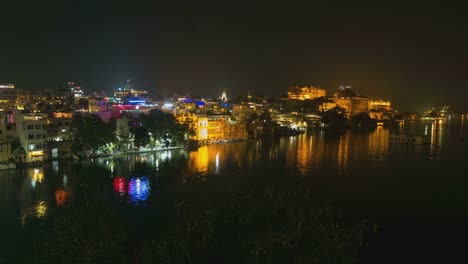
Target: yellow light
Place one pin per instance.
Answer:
(41, 209)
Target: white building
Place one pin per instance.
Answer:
(32, 134)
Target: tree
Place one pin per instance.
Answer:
(363, 121)
(335, 120)
(90, 133)
(165, 128)
(142, 137)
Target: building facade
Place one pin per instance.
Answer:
(305, 92)
(32, 134)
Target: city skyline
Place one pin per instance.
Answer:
(413, 57)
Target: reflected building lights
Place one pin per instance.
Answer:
(200, 159)
(41, 209)
(138, 189)
(217, 163)
(166, 155)
(119, 185)
(343, 152)
(60, 197)
(65, 180)
(302, 155)
(55, 166)
(37, 176)
(378, 143)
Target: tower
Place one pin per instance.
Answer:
(128, 85)
(224, 96)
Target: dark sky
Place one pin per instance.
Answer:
(415, 55)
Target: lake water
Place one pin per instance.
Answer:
(417, 196)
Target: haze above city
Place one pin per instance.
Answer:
(414, 56)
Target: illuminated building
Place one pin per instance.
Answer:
(305, 92)
(7, 86)
(241, 111)
(350, 101)
(73, 91)
(96, 104)
(31, 131)
(327, 105)
(128, 95)
(123, 134)
(58, 135)
(379, 109)
(7, 97)
(210, 128)
(380, 105)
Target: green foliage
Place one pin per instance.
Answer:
(90, 133)
(165, 128)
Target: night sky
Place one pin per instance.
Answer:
(415, 56)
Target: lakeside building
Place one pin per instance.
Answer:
(350, 101)
(5, 146)
(380, 105)
(59, 141)
(212, 128)
(8, 94)
(31, 132)
(380, 109)
(305, 92)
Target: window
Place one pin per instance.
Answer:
(38, 146)
(30, 127)
(38, 136)
(44, 146)
(43, 136)
(31, 146)
(37, 126)
(30, 136)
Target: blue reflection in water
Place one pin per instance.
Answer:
(138, 189)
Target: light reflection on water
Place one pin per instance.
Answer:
(42, 189)
(138, 191)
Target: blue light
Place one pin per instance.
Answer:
(139, 189)
(136, 101)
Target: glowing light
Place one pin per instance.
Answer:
(60, 197)
(119, 185)
(37, 177)
(41, 209)
(139, 189)
(217, 163)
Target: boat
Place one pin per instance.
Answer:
(409, 139)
